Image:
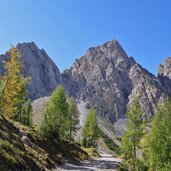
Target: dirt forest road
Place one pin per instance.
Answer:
(104, 163)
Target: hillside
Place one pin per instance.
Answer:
(21, 149)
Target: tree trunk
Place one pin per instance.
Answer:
(134, 149)
(70, 133)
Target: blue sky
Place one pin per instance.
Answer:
(67, 28)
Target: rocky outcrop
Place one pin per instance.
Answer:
(148, 88)
(106, 78)
(164, 75)
(45, 75)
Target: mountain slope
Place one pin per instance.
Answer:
(45, 75)
(13, 153)
(22, 149)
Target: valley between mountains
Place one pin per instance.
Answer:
(103, 82)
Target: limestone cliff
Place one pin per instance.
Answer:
(45, 75)
(106, 78)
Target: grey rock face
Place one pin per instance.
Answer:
(45, 75)
(106, 78)
(164, 75)
(147, 87)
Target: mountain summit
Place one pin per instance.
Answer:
(106, 78)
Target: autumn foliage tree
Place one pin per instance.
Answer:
(13, 92)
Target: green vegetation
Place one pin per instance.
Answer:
(153, 147)
(26, 116)
(61, 116)
(56, 122)
(73, 118)
(90, 130)
(159, 141)
(23, 112)
(13, 153)
(131, 139)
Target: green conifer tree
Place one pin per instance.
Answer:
(26, 115)
(131, 139)
(56, 122)
(74, 117)
(159, 141)
(90, 132)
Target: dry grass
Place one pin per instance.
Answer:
(92, 152)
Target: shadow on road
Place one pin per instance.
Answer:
(102, 163)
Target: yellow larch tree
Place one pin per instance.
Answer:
(13, 83)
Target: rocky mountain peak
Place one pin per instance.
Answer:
(106, 78)
(110, 52)
(111, 49)
(27, 45)
(45, 75)
(112, 45)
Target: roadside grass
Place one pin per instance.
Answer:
(92, 152)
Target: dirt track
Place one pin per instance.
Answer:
(105, 162)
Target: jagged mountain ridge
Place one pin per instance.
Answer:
(105, 78)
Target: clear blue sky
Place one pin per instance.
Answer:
(67, 28)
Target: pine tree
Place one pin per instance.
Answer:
(22, 102)
(26, 115)
(90, 129)
(132, 137)
(56, 122)
(13, 81)
(74, 117)
(159, 141)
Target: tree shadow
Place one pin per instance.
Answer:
(92, 164)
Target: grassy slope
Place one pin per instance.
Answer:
(33, 154)
(13, 153)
